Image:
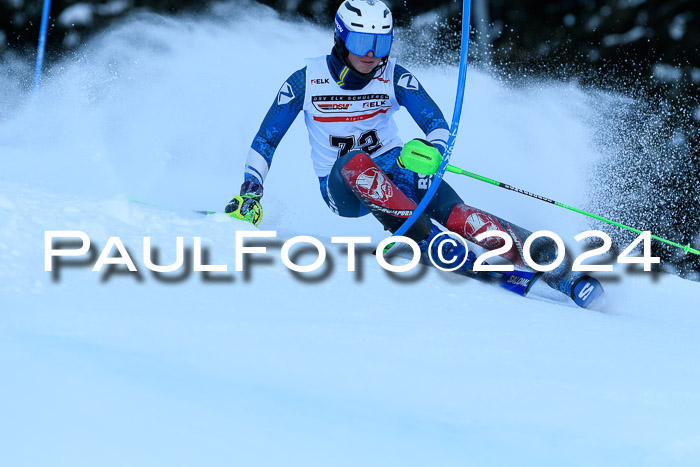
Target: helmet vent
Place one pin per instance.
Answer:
(357, 25)
(355, 10)
(386, 12)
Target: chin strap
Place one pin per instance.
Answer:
(380, 68)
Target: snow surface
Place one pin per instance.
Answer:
(275, 369)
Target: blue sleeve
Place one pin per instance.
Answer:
(412, 95)
(284, 110)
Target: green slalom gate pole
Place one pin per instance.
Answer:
(451, 168)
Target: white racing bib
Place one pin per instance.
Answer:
(340, 120)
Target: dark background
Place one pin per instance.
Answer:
(647, 49)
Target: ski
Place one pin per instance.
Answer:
(169, 208)
(519, 282)
(516, 281)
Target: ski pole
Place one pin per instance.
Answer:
(451, 168)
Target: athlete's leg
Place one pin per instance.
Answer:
(449, 210)
(356, 185)
(339, 197)
(357, 173)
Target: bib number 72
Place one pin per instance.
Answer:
(368, 143)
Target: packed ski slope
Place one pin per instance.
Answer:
(271, 368)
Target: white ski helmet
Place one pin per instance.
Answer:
(362, 26)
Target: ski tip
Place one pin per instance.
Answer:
(588, 293)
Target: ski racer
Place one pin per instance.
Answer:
(349, 98)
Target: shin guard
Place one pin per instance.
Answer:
(382, 197)
(470, 222)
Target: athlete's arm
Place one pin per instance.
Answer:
(282, 113)
(411, 94)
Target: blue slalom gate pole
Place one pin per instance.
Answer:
(42, 43)
(463, 59)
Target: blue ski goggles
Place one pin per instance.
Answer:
(360, 43)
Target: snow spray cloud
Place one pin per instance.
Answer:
(148, 103)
